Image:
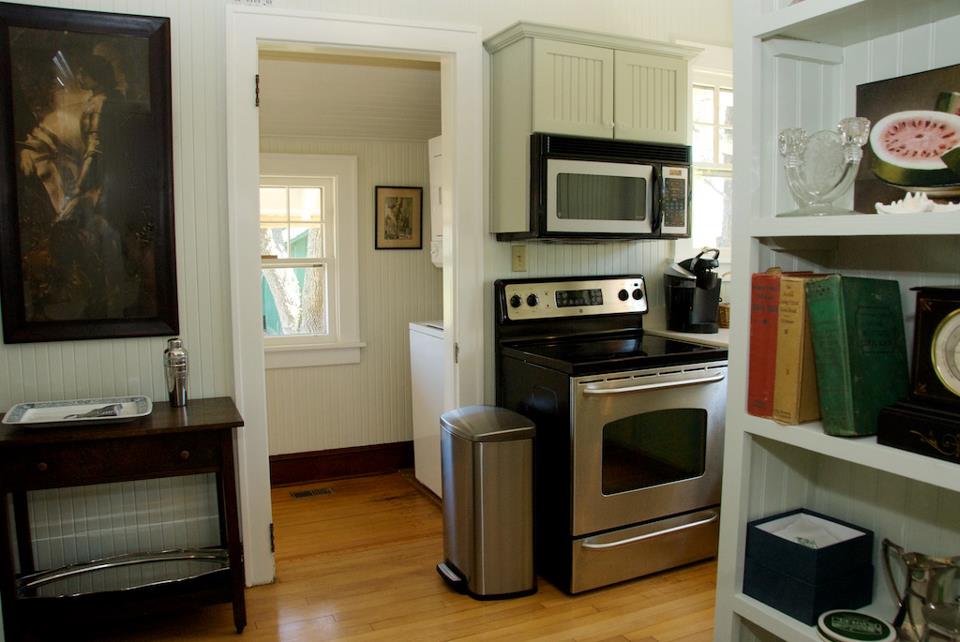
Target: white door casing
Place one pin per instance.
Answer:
(460, 53)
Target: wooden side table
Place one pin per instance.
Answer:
(169, 442)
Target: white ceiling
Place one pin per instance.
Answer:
(346, 96)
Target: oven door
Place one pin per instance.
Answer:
(646, 444)
(594, 197)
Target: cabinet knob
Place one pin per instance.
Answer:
(42, 466)
(184, 455)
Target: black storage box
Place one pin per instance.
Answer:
(803, 582)
(920, 428)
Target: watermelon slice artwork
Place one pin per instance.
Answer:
(917, 148)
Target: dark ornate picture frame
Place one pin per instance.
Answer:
(399, 217)
(87, 246)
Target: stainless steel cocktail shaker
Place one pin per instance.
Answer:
(176, 369)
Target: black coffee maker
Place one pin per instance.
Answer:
(693, 293)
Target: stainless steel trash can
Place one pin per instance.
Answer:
(487, 477)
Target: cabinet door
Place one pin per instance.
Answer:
(572, 89)
(651, 98)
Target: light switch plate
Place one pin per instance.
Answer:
(518, 258)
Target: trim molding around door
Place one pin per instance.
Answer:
(336, 463)
(460, 53)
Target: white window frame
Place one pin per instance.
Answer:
(342, 344)
(712, 68)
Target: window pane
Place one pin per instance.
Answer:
(273, 240)
(703, 144)
(306, 204)
(294, 301)
(273, 204)
(726, 107)
(712, 210)
(703, 104)
(726, 145)
(307, 241)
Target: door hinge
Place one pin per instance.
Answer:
(456, 353)
(272, 548)
(256, 91)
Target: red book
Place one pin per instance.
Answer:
(764, 315)
(764, 306)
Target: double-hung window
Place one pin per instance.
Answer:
(712, 163)
(308, 260)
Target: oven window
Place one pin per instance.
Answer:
(654, 448)
(598, 197)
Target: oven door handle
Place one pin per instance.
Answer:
(654, 386)
(640, 538)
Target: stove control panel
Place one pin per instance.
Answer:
(587, 297)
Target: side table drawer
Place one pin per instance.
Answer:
(113, 460)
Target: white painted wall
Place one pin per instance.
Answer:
(369, 402)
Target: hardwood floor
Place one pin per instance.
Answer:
(358, 564)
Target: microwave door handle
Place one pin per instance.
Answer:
(656, 201)
(654, 386)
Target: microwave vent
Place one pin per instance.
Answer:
(606, 149)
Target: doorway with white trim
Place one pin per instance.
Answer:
(459, 55)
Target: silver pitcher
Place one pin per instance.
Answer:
(176, 369)
(930, 599)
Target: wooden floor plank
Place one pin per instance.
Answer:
(358, 564)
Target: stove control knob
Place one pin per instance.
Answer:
(623, 295)
(638, 294)
(516, 301)
(533, 300)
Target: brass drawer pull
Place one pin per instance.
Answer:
(184, 455)
(42, 466)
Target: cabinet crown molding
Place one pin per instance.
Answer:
(522, 30)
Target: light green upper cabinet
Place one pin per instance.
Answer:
(572, 89)
(650, 97)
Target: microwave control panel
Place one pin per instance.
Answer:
(674, 199)
(551, 299)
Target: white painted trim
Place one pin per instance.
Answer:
(461, 60)
(312, 355)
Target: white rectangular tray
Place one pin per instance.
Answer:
(65, 413)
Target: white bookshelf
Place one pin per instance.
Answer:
(798, 66)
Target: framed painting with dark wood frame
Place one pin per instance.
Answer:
(399, 214)
(86, 184)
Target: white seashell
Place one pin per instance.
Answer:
(915, 203)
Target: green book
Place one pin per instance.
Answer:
(859, 349)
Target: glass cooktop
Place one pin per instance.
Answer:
(602, 354)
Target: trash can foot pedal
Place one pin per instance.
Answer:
(450, 576)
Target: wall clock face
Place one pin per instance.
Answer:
(945, 352)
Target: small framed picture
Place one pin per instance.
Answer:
(399, 218)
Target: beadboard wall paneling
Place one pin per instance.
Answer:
(78, 524)
(134, 366)
(915, 515)
(367, 403)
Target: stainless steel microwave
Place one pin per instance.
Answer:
(590, 188)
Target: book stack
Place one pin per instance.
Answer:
(826, 347)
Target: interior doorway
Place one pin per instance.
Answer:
(459, 52)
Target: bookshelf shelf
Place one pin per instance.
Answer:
(782, 625)
(770, 468)
(845, 22)
(927, 224)
(860, 450)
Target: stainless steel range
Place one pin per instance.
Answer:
(629, 428)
